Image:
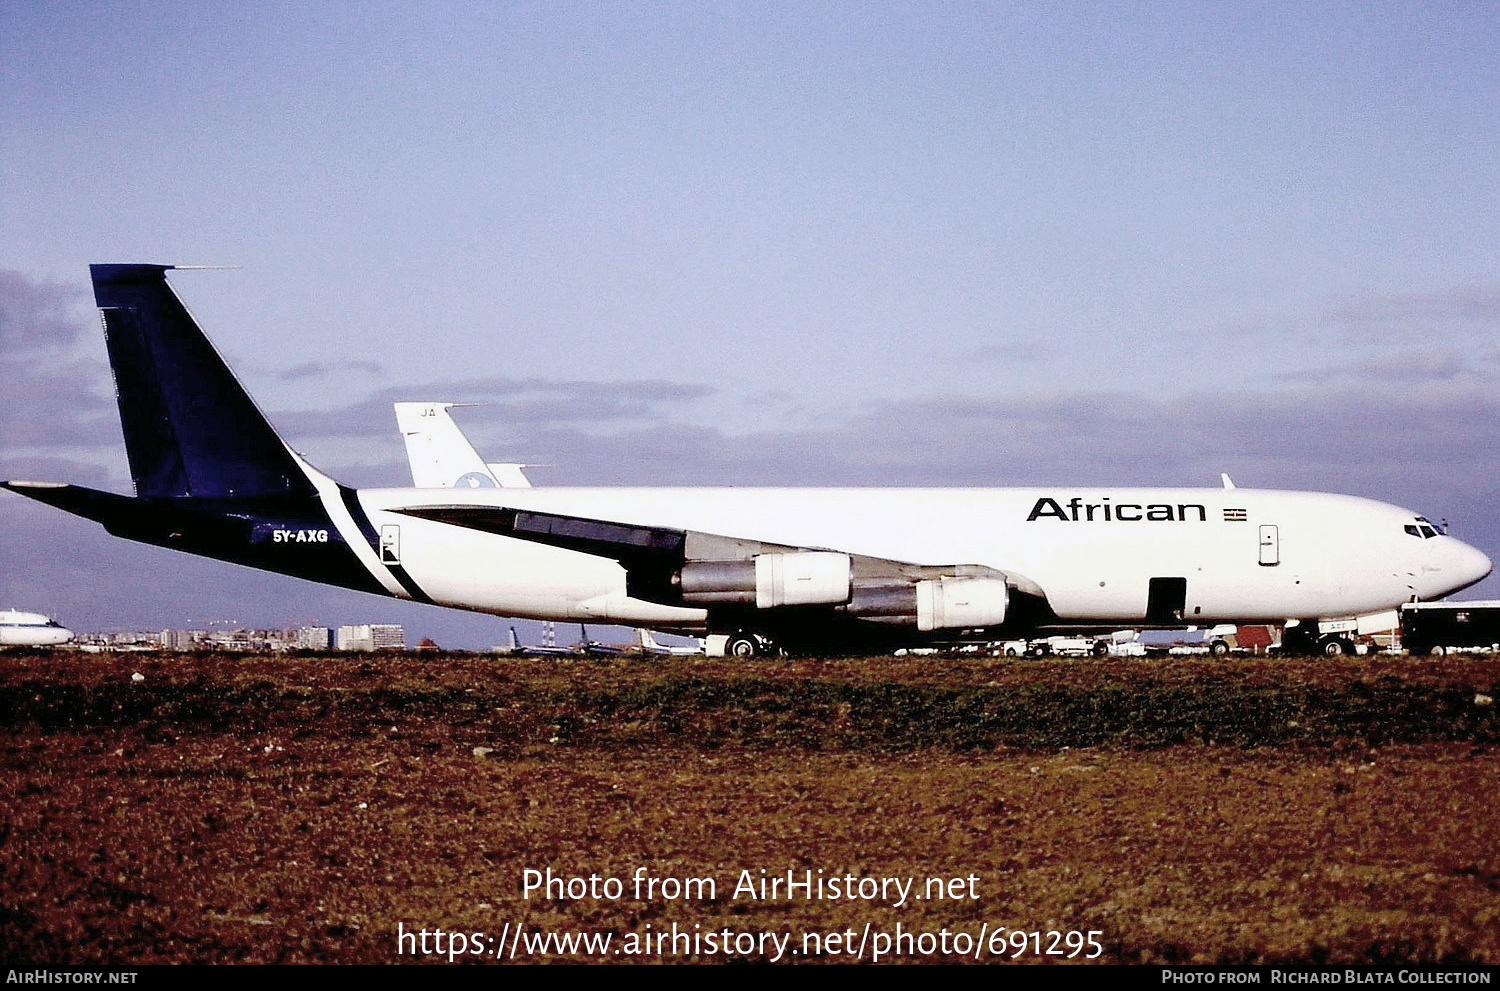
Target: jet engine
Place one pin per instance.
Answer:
(826, 578)
(799, 578)
(933, 604)
(954, 603)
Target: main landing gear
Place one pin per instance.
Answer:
(746, 644)
(1303, 640)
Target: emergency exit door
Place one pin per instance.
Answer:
(1270, 545)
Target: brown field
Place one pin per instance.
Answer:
(258, 809)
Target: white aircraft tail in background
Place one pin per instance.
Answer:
(441, 456)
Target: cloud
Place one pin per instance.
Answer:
(1418, 368)
(1292, 437)
(61, 421)
(323, 369)
(1394, 315)
(52, 397)
(501, 400)
(37, 315)
(1389, 427)
(511, 419)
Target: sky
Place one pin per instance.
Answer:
(758, 243)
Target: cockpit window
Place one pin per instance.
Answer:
(1422, 528)
(1411, 528)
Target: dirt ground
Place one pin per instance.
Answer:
(334, 809)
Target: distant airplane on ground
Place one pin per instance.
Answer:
(31, 629)
(648, 645)
(594, 648)
(584, 647)
(802, 569)
(518, 649)
(442, 457)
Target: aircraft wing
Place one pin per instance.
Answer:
(732, 574)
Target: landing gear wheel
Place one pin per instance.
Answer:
(745, 645)
(1337, 647)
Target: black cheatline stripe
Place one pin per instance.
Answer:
(351, 503)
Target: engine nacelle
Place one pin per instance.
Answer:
(889, 603)
(800, 578)
(955, 603)
(825, 578)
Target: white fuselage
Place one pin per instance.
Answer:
(30, 629)
(1246, 555)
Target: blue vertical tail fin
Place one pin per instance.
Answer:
(190, 429)
(211, 475)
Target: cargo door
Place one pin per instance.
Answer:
(1166, 600)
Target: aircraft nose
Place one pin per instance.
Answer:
(1468, 565)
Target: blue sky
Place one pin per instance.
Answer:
(735, 243)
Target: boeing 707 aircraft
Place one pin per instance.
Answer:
(782, 568)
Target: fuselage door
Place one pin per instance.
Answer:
(1270, 545)
(1166, 600)
(390, 544)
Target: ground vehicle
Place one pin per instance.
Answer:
(1438, 627)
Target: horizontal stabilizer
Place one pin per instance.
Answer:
(102, 507)
(257, 532)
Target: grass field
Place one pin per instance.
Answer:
(251, 808)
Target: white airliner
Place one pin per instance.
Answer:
(648, 645)
(442, 457)
(795, 568)
(31, 629)
(517, 649)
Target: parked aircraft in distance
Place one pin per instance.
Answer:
(518, 649)
(593, 648)
(31, 629)
(648, 645)
(442, 457)
(584, 647)
(799, 568)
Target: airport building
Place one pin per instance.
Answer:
(308, 638)
(364, 637)
(372, 637)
